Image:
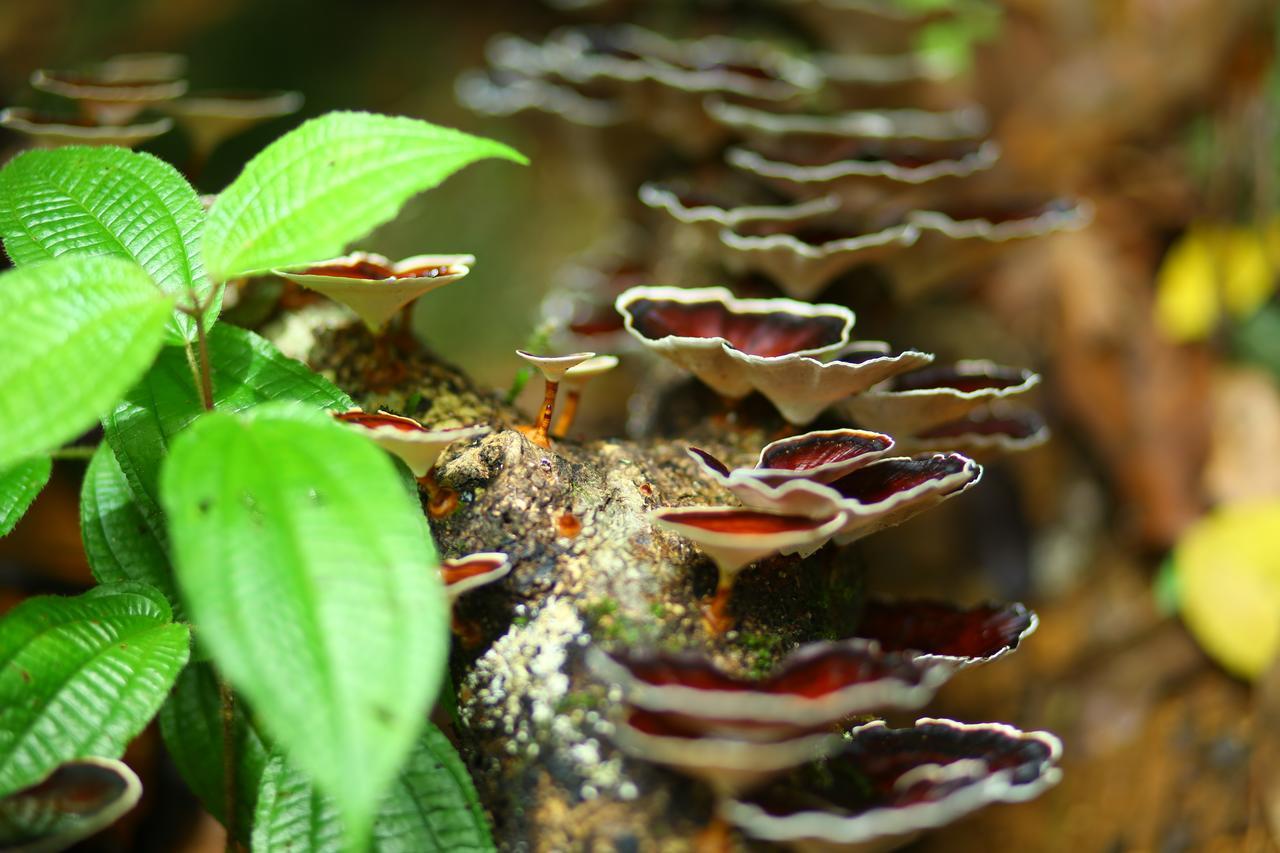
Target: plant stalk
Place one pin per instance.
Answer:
(227, 705)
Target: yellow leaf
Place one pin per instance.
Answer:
(1215, 269)
(1228, 581)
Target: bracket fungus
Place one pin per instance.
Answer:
(417, 446)
(912, 403)
(574, 381)
(736, 346)
(108, 99)
(820, 456)
(553, 369)
(880, 494)
(464, 574)
(76, 800)
(810, 690)
(729, 765)
(734, 733)
(50, 131)
(938, 631)
(992, 430)
(734, 538)
(888, 785)
(763, 124)
(212, 117)
(374, 287)
(866, 172)
(804, 253)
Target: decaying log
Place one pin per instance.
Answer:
(587, 568)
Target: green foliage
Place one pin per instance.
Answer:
(191, 724)
(432, 807)
(19, 485)
(77, 333)
(285, 512)
(247, 370)
(329, 182)
(82, 676)
(108, 201)
(119, 543)
(1257, 338)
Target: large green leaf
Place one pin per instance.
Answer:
(433, 806)
(310, 572)
(19, 485)
(76, 333)
(191, 723)
(107, 201)
(329, 182)
(119, 543)
(247, 370)
(82, 676)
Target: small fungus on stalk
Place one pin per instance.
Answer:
(553, 369)
(211, 117)
(474, 570)
(574, 381)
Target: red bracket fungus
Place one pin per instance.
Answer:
(914, 402)
(803, 254)
(553, 369)
(472, 571)
(76, 800)
(502, 92)
(418, 446)
(812, 689)
(142, 66)
(938, 631)
(729, 765)
(820, 456)
(736, 346)
(989, 431)
(879, 494)
(108, 99)
(734, 538)
(889, 785)
(574, 381)
(373, 286)
(48, 131)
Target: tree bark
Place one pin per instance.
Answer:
(588, 568)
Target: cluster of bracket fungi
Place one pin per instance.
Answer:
(804, 175)
(133, 98)
(802, 172)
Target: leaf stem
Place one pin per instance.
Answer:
(74, 452)
(205, 377)
(227, 704)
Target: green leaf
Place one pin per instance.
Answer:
(247, 370)
(76, 332)
(330, 181)
(191, 724)
(119, 543)
(310, 572)
(108, 201)
(82, 676)
(432, 807)
(19, 485)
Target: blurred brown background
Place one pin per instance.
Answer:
(1160, 111)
